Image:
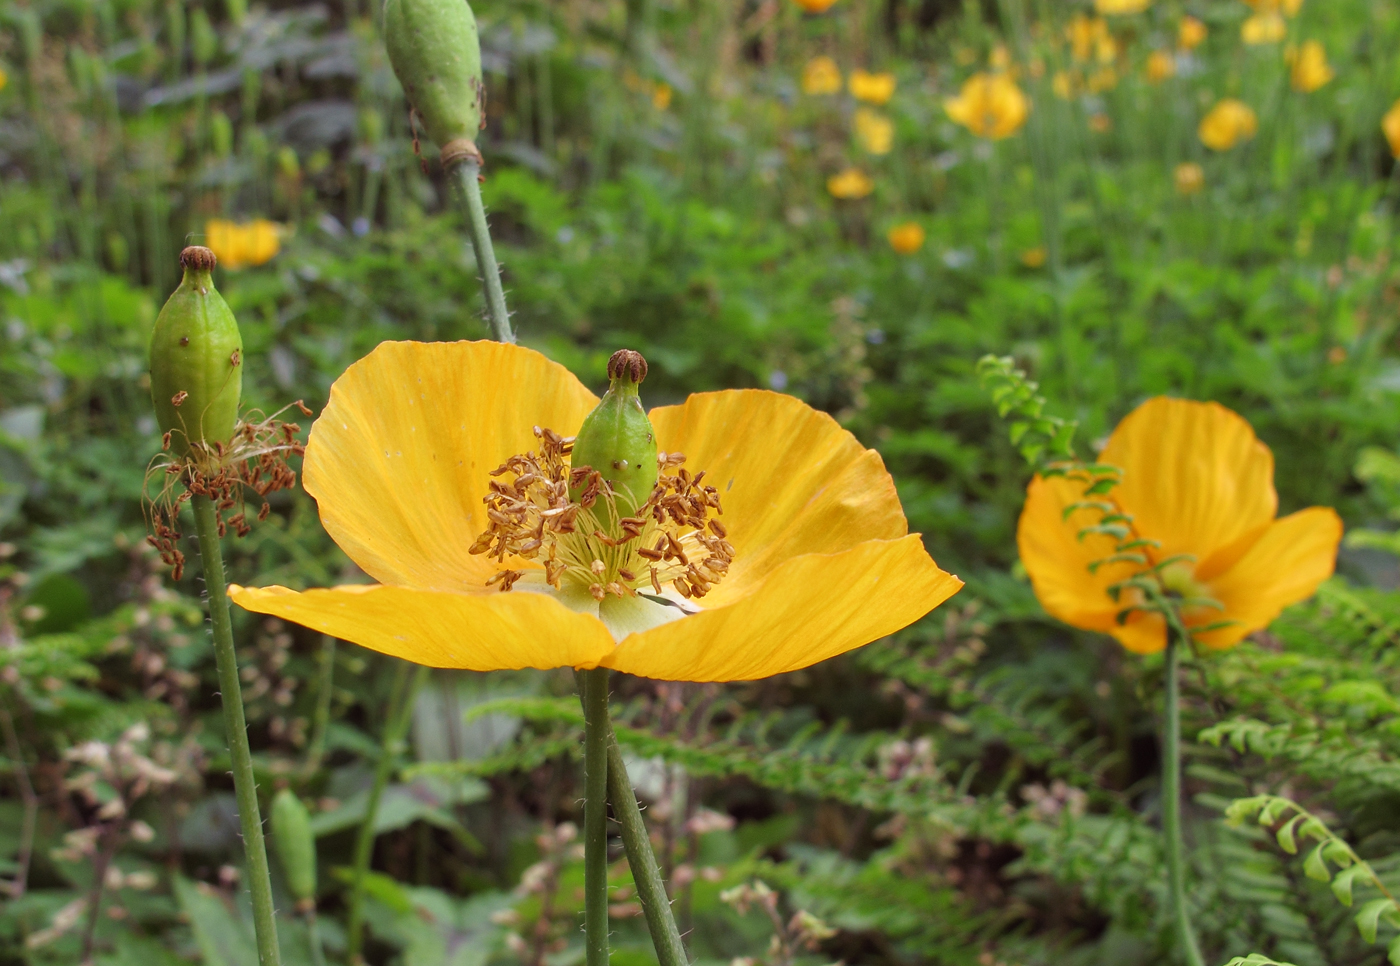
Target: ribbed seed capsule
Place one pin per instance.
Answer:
(196, 359)
(295, 845)
(617, 440)
(436, 54)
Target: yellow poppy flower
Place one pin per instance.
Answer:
(1309, 67)
(1390, 127)
(4, 78)
(1101, 80)
(1289, 8)
(1198, 482)
(990, 106)
(1191, 33)
(1064, 84)
(906, 238)
(873, 88)
(1263, 28)
(821, 76)
(815, 6)
(874, 131)
(239, 246)
(1114, 7)
(1161, 65)
(850, 184)
(425, 455)
(1189, 178)
(1090, 39)
(1228, 123)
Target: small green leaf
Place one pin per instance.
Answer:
(1341, 885)
(1368, 919)
(1286, 841)
(1315, 867)
(1393, 953)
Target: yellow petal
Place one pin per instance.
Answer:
(1195, 478)
(1286, 565)
(485, 631)
(807, 610)
(399, 459)
(790, 479)
(1058, 561)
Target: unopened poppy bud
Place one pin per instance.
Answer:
(196, 359)
(436, 54)
(617, 440)
(295, 844)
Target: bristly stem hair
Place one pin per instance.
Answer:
(464, 176)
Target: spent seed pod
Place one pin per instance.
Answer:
(616, 438)
(436, 54)
(196, 359)
(295, 845)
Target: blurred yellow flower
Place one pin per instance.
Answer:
(874, 131)
(907, 238)
(1033, 257)
(1100, 123)
(1227, 124)
(1160, 66)
(239, 246)
(1111, 7)
(1103, 79)
(1390, 126)
(1064, 84)
(850, 184)
(1000, 58)
(1089, 38)
(815, 6)
(1189, 177)
(821, 76)
(1310, 69)
(1290, 8)
(989, 105)
(1191, 33)
(873, 88)
(661, 96)
(1264, 28)
(1198, 490)
(4, 78)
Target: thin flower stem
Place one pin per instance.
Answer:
(407, 683)
(468, 192)
(325, 685)
(593, 691)
(1171, 796)
(245, 784)
(656, 905)
(15, 888)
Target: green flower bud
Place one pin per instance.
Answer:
(436, 53)
(616, 439)
(295, 845)
(196, 359)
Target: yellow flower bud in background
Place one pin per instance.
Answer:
(661, 96)
(1310, 69)
(1390, 126)
(1033, 257)
(1264, 28)
(1289, 8)
(1114, 7)
(821, 76)
(4, 78)
(1227, 124)
(1191, 33)
(990, 106)
(815, 6)
(872, 88)
(1064, 84)
(1189, 178)
(874, 131)
(1100, 123)
(1101, 80)
(1160, 66)
(906, 238)
(850, 184)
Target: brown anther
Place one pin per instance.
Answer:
(650, 554)
(597, 567)
(165, 440)
(626, 574)
(598, 591)
(618, 590)
(718, 530)
(198, 258)
(629, 363)
(178, 398)
(683, 587)
(655, 584)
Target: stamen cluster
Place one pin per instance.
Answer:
(672, 538)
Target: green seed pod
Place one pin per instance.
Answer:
(436, 54)
(196, 359)
(294, 844)
(616, 439)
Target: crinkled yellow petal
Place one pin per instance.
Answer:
(807, 610)
(484, 631)
(400, 458)
(1058, 561)
(791, 480)
(1286, 565)
(1195, 478)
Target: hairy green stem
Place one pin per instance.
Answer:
(407, 683)
(656, 905)
(245, 786)
(468, 191)
(1171, 798)
(593, 692)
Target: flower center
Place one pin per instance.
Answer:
(674, 538)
